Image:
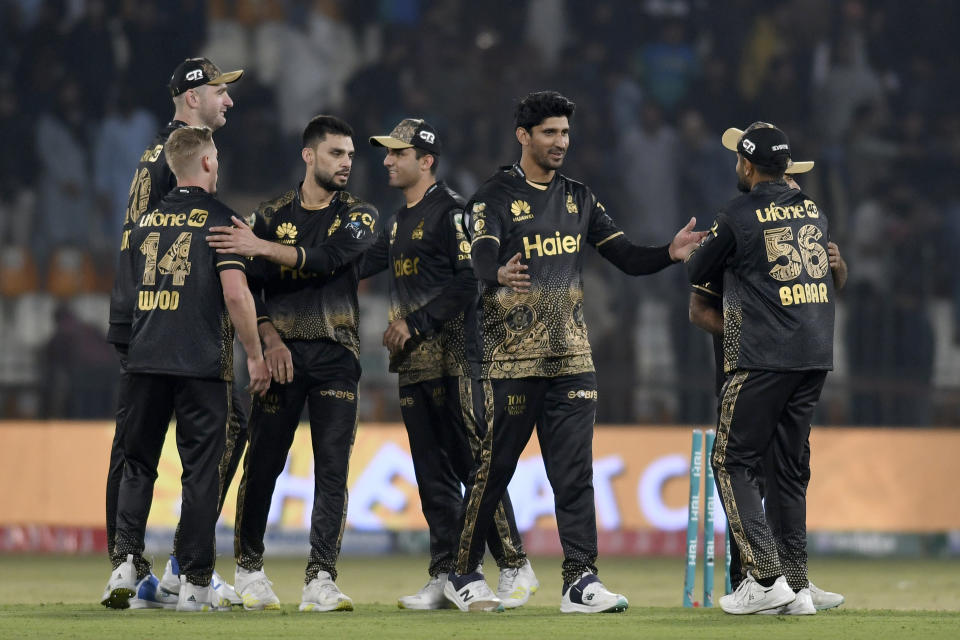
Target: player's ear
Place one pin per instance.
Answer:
(307, 154)
(523, 136)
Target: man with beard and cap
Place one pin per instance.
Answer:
(431, 287)
(706, 312)
(769, 248)
(307, 245)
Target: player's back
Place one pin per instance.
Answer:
(180, 322)
(778, 290)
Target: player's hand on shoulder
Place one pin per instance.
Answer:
(514, 275)
(685, 241)
(259, 375)
(238, 239)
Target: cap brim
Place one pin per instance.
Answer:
(227, 78)
(731, 137)
(801, 166)
(388, 142)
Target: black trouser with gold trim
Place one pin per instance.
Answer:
(332, 405)
(760, 411)
(444, 443)
(563, 409)
(201, 407)
(233, 451)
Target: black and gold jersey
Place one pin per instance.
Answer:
(180, 321)
(317, 299)
(542, 332)
(428, 256)
(151, 182)
(770, 248)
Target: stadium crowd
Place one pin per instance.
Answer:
(863, 88)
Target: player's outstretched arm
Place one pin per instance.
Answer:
(239, 301)
(685, 241)
(241, 240)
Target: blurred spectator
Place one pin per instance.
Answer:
(64, 198)
(17, 170)
(668, 66)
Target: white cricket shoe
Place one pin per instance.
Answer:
(323, 594)
(517, 585)
(751, 596)
(254, 590)
(170, 582)
(588, 595)
(473, 595)
(196, 598)
(225, 589)
(802, 605)
(429, 597)
(823, 600)
(121, 587)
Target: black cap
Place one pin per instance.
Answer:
(411, 132)
(194, 72)
(762, 144)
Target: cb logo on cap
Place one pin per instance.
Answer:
(427, 136)
(196, 74)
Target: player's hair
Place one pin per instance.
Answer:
(319, 126)
(436, 159)
(775, 171)
(183, 148)
(540, 105)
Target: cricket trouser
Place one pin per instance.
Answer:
(332, 404)
(444, 441)
(201, 407)
(760, 410)
(235, 444)
(563, 408)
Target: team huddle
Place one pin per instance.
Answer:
(486, 332)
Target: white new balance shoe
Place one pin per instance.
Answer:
(323, 594)
(196, 598)
(429, 597)
(517, 585)
(588, 595)
(752, 597)
(823, 600)
(121, 587)
(473, 594)
(254, 590)
(802, 605)
(170, 582)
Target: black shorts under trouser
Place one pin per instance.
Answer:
(332, 405)
(760, 411)
(563, 408)
(201, 407)
(444, 443)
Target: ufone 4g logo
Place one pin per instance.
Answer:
(586, 394)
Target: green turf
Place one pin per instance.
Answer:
(55, 596)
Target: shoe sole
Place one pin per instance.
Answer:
(428, 607)
(119, 598)
(826, 607)
(620, 606)
(137, 603)
(257, 606)
(786, 600)
(204, 608)
(314, 607)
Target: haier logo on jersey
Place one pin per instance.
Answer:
(287, 233)
(405, 266)
(550, 246)
(520, 210)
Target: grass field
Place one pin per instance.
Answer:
(56, 596)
